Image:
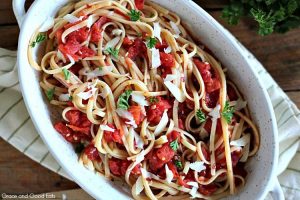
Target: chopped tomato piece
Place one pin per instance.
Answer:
(58, 35)
(156, 110)
(85, 130)
(86, 52)
(139, 4)
(127, 42)
(188, 178)
(161, 46)
(71, 47)
(207, 190)
(96, 29)
(136, 170)
(167, 60)
(212, 98)
(158, 157)
(173, 136)
(181, 124)
(118, 167)
(137, 113)
(80, 35)
(68, 134)
(137, 49)
(92, 152)
(74, 117)
(173, 168)
(113, 136)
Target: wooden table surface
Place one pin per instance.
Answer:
(280, 54)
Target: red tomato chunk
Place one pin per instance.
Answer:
(92, 152)
(118, 167)
(156, 110)
(158, 157)
(113, 136)
(139, 4)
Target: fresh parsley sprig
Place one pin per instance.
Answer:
(123, 100)
(67, 74)
(174, 145)
(50, 93)
(178, 164)
(39, 38)
(200, 116)
(112, 51)
(151, 42)
(227, 112)
(134, 15)
(153, 100)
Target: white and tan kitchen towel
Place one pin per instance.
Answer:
(17, 128)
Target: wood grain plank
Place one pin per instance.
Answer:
(9, 35)
(19, 174)
(295, 97)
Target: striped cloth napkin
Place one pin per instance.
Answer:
(17, 128)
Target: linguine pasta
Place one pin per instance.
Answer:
(142, 102)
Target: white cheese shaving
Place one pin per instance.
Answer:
(197, 166)
(112, 43)
(155, 58)
(243, 141)
(194, 189)
(240, 104)
(215, 113)
(157, 31)
(106, 128)
(91, 20)
(126, 115)
(110, 13)
(176, 29)
(98, 72)
(175, 91)
(162, 124)
(64, 97)
(140, 99)
(72, 19)
(71, 59)
(139, 186)
(88, 94)
(47, 24)
(168, 49)
(186, 167)
(137, 138)
(147, 174)
(117, 31)
(105, 92)
(170, 77)
(169, 174)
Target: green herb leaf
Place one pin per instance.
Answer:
(79, 148)
(112, 51)
(67, 74)
(201, 116)
(100, 68)
(70, 98)
(40, 37)
(139, 34)
(174, 145)
(123, 100)
(178, 164)
(50, 93)
(151, 42)
(227, 112)
(134, 15)
(153, 99)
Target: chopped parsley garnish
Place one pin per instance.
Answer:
(79, 148)
(178, 164)
(139, 34)
(153, 100)
(123, 100)
(134, 15)
(112, 51)
(174, 145)
(100, 68)
(200, 116)
(70, 98)
(50, 93)
(67, 74)
(151, 42)
(39, 38)
(227, 112)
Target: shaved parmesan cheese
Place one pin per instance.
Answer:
(61, 56)
(71, 59)
(168, 49)
(170, 77)
(162, 124)
(112, 43)
(105, 92)
(186, 167)
(72, 19)
(138, 140)
(157, 31)
(106, 128)
(215, 113)
(139, 186)
(110, 13)
(88, 94)
(64, 97)
(98, 72)
(140, 99)
(175, 28)
(175, 91)
(117, 32)
(240, 104)
(242, 141)
(198, 166)
(126, 115)
(91, 20)
(47, 24)
(155, 58)
(194, 189)
(169, 174)
(147, 174)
